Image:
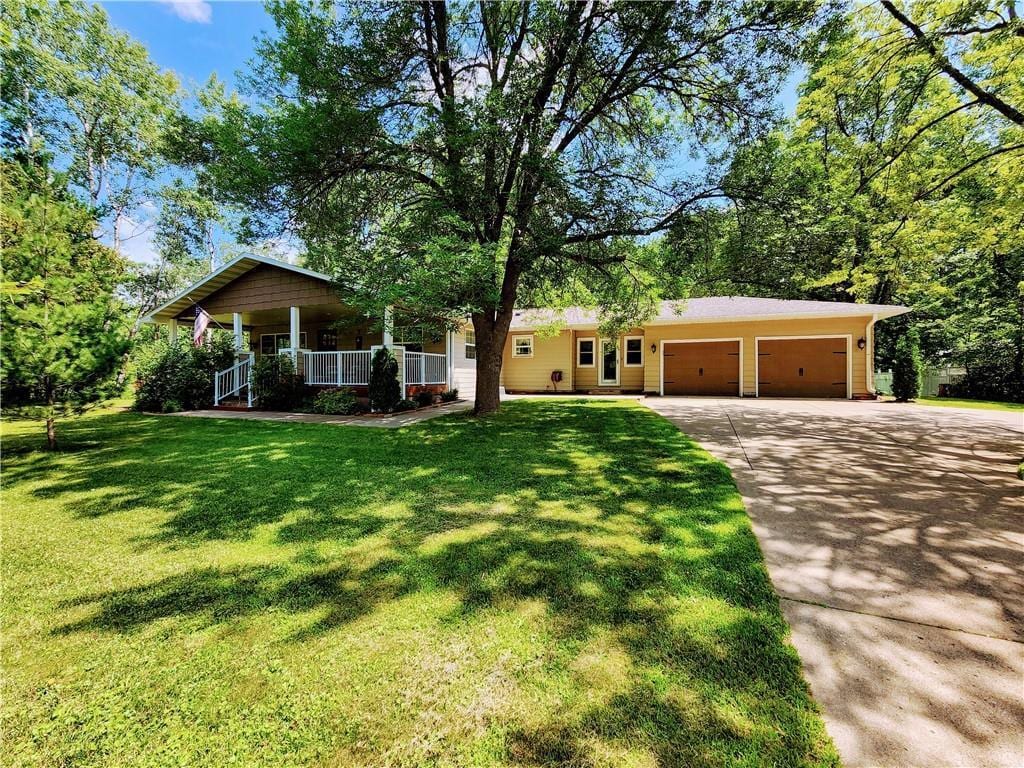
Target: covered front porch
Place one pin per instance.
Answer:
(272, 308)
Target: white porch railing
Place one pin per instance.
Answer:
(425, 368)
(337, 369)
(232, 380)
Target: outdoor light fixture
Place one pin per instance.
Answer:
(654, 348)
(861, 343)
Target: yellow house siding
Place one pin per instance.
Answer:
(558, 353)
(533, 374)
(855, 327)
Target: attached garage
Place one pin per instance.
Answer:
(704, 367)
(803, 367)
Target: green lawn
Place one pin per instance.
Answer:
(566, 583)
(987, 405)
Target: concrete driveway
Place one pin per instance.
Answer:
(894, 535)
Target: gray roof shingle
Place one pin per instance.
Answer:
(713, 309)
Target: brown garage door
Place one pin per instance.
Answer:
(801, 367)
(702, 368)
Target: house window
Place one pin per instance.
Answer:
(522, 346)
(470, 344)
(585, 353)
(634, 351)
(327, 340)
(272, 343)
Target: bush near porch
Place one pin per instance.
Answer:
(179, 376)
(562, 583)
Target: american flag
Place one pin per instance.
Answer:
(201, 324)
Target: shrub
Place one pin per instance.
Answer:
(385, 392)
(405, 405)
(906, 368)
(424, 398)
(449, 396)
(337, 401)
(275, 383)
(179, 377)
(988, 382)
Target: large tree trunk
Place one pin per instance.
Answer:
(490, 344)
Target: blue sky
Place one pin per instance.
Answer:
(192, 37)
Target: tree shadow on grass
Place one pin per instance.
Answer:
(603, 513)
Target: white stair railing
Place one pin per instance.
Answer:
(232, 380)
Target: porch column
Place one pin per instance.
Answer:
(293, 342)
(449, 360)
(172, 330)
(389, 322)
(237, 320)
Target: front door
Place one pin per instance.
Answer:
(609, 362)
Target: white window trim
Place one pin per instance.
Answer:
(625, 352)
(593, 351)
(515, 349)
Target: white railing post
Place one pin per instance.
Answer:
(216, 389)
(338, 372)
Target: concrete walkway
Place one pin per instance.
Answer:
(894, 535)
(392, 421)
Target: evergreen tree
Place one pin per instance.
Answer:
(906, 370)
(63, 334)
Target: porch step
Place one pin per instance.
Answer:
(604, 391)
(232, 405)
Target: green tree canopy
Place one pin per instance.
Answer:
(90, 95)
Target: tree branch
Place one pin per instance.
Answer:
(947, 66)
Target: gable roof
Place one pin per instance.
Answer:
(218, 279)
(713, 309)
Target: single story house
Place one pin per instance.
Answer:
(708, 346)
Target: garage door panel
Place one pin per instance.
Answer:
(802, 367)
(702, 368)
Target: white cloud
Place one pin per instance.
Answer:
(137, 238)
(197, 11)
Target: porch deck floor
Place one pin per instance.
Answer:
(392, 421)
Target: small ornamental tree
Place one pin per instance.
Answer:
(385, 391)
(906, 368)
(63, 335)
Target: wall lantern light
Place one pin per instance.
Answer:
(654, 348)
(861, 343)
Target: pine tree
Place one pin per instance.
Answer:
(63, 334)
